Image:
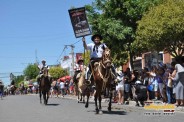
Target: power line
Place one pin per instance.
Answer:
(65, 47)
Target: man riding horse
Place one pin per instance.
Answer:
(44, 81)
(101, 69)
(44, 69)
(96, 50)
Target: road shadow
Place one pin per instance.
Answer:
(115, 112)
(52, 104)
(111, 112)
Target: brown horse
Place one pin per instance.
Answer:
(44, 86)
(103, 77)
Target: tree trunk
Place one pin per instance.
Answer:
(131, 57)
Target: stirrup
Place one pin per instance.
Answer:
(88, 82)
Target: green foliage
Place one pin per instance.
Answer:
(57, 72)
(162, 28)
(86, 57)
(116, 21)
(18, 79)
(31, 71)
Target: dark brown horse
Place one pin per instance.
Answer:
(103, 78)
(13, 89)
(44, 86)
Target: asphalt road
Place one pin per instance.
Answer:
(26, 108)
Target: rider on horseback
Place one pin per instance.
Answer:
(78, 69)
(42, 67)
(96, 50)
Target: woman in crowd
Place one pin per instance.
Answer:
(178, 78)
(120, 88)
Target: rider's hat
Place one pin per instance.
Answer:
(43, 60)
(96, 35)
(80, 60)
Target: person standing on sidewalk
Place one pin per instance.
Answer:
(120, 88)
(62, 88)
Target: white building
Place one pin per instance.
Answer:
(66, 63)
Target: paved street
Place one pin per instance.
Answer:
(26, 108)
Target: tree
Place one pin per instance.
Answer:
(18, 79)
(162, 28)
(31, 71)
(86, 57)
(117, 20)
(57, 72)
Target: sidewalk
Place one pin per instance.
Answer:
(131, 103)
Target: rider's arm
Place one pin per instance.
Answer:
(84, 43)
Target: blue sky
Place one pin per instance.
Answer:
(30, 26)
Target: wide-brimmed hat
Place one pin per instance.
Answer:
(80, 60)
(96, 35)
(43, 60)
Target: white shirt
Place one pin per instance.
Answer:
(78, 67)
(42, 66)
(62, 85)
(96, 51)
(120, 78)
(179, 68)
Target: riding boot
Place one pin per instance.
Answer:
(88, 76)
(115, 74)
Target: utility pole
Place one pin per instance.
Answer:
(36, 58)
(72, 52)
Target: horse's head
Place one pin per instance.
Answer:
(45, 71)
(106, 58)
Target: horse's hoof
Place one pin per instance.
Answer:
(100, 112)
(97, 112)
(78, 101)
(86, 106)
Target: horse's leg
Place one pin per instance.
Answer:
(40, 96)
(44, 97)
(100, 101)
(83, 97)
(110, 101)
(47, 96)
(78, 96)
(88, 94)
(96, 105)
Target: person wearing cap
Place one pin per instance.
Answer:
(140, 94)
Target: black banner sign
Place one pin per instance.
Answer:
(79, 22)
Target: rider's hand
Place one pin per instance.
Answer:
(83, 39)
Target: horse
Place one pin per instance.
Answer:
(44, 86)
(22, 89)
(102, 79)
(83, 87)
(13, 89)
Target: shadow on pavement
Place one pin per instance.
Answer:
(111, 112)
(115, 112)
(53, 104)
